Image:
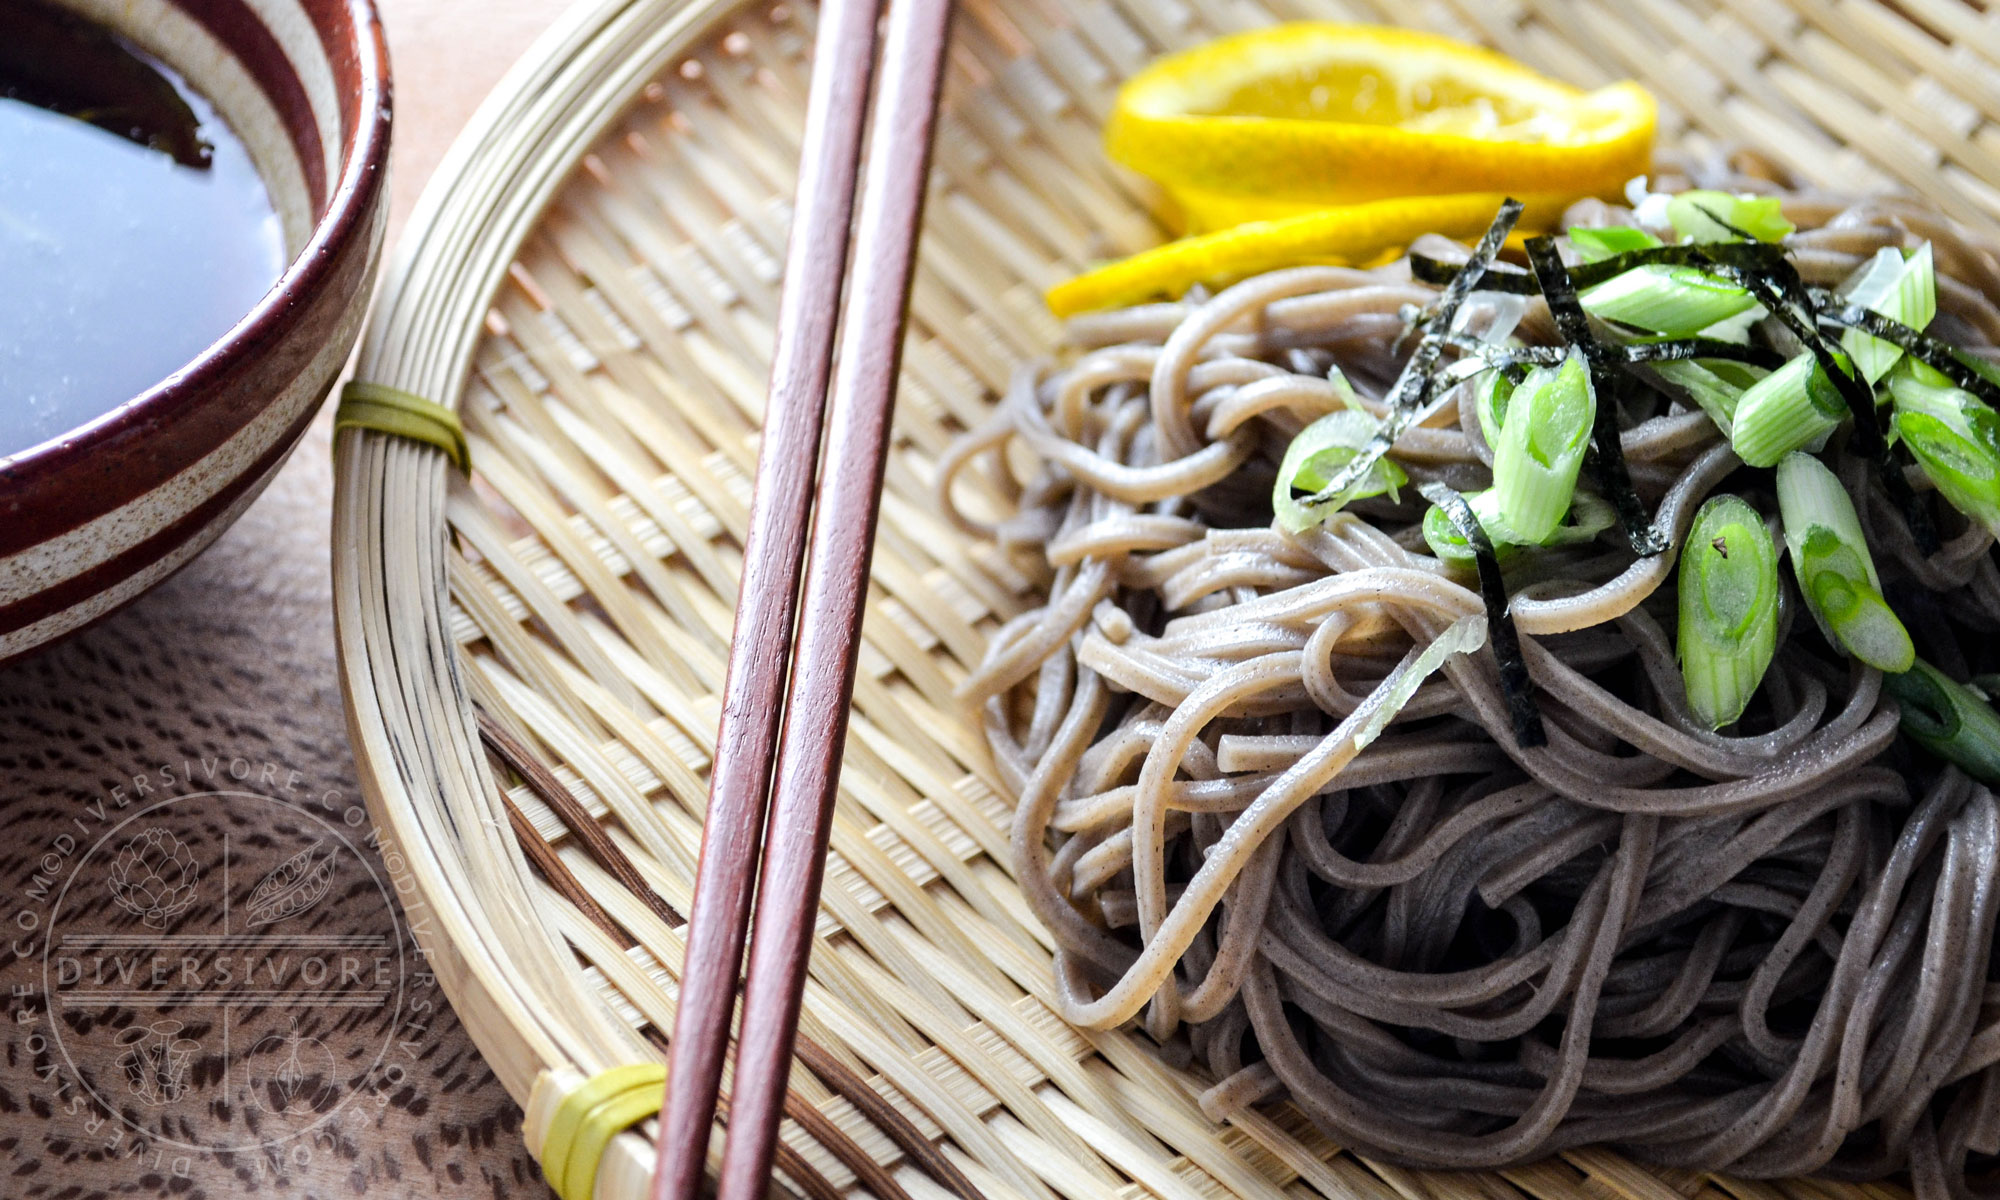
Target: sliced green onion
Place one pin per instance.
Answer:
(1316, 456)
(1549, 419)
(1903, 290)
(1344, 389)
(1450, 546)
(1953, 437)
(1490, 402)
(1705, 216)
(1923, 372)
(1463, 636)
(1988, 371)
(1794, 406)
(1729, 609)
(1836, 573)
(1948, 719)
(1715, 384)
(1736, 329)
(1596, 245)
(1678, 301)
(1588, 516)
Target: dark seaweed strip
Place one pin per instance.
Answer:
(1499, 356)
(1743, 256)
(1708, 212)
(1919, 345)
(1413, 387)
(1425, 269)
(1515, 682)
(1700, 347)
(1748, 256)
(1630, 352)
(1781, 291)
(1478, 265)
(1607, 460)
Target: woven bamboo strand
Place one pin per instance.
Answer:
(595, 286)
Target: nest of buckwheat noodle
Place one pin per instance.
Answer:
(1766, 951)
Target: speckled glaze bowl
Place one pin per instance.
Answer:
(91, 519)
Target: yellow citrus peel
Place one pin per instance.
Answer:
(1292, 140)
(1349, 235)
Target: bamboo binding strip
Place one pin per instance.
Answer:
(532, 657)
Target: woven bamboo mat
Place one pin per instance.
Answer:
(593, 282)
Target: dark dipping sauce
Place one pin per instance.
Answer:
(134, 229)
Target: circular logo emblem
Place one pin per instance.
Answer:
(204, 956)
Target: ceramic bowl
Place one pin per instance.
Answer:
(91, 519)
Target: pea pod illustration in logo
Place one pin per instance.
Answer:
(292, 887)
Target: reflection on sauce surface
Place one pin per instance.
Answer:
(123, 254)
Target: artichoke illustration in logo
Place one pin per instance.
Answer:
(154, 878)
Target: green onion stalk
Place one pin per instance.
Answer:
(1596, 245)
(1954, 438)
(1794, 407)
(1708, 216)
(1316, 456)
(1489, 401)
(1836, 573)
(1542, 438)
(1948, 719)
(1450, 546)
(1715, 384)
(1901, 289)
(1588, 516)
(1666, 298)
(1728, 609)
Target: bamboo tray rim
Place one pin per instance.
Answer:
(407, 701)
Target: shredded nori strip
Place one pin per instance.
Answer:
(1746, 256)
(1503, 357)
(1512, 281)
(1607, 458)
(1515, 683)
(1414, 386)
(1782, 292)
(1761, 268)
(1708, 212)
(1700, 347)
(1919, 345)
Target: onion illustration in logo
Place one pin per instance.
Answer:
(154, 878)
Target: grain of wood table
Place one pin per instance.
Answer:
(213, 994)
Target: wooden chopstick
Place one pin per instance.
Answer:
(836, 583)
(781, 505)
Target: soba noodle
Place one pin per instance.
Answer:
(1766, 951)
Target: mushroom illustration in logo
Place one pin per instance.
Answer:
(154, 878)
(156, 1061)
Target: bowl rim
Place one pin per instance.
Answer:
(350, 206)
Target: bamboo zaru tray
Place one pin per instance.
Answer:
(592, 281)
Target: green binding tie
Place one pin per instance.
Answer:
(385, 409)
(586, 1120)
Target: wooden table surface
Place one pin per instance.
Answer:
(232, 662)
